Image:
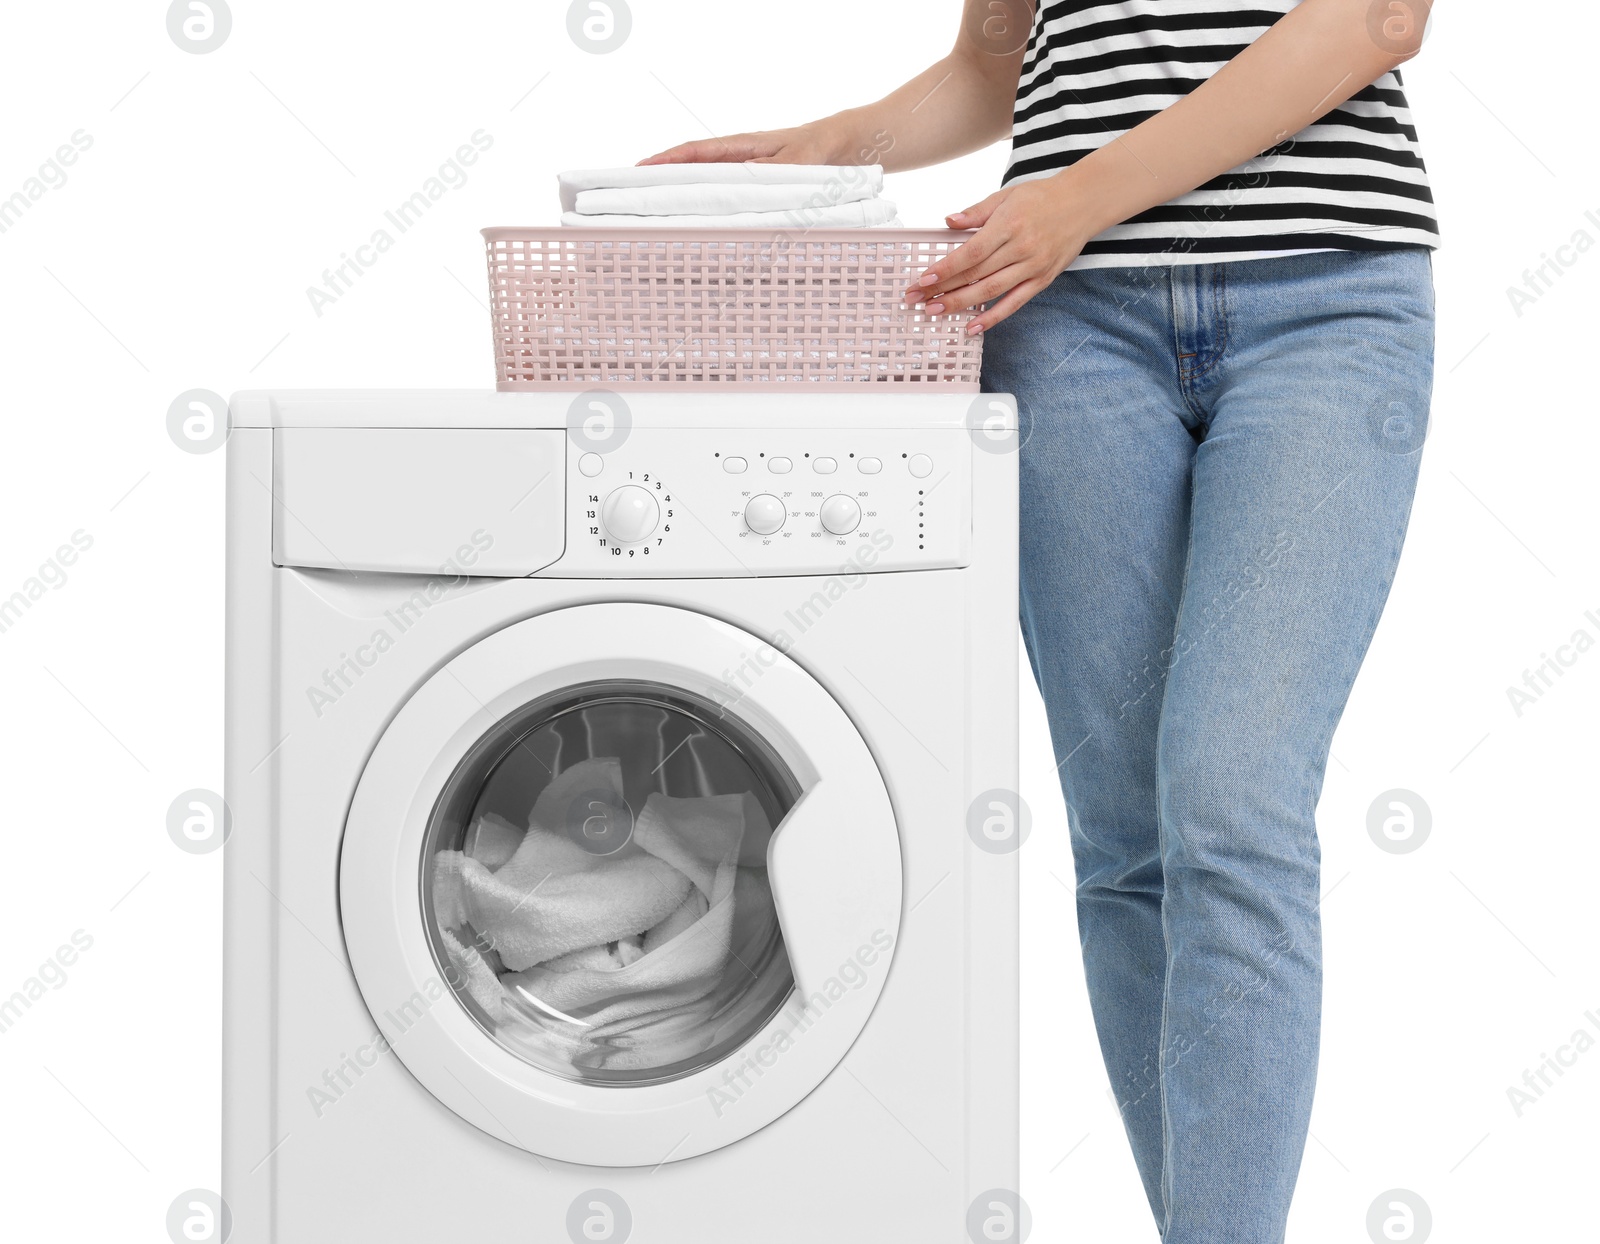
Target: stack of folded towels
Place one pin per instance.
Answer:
(728, 196)
(619, 962)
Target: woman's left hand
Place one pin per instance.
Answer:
(1027, 235)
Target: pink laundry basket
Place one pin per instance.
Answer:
(733, 309)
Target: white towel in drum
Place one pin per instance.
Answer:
(686, 952)
(475, 975)
(492, 840)
(617, 960)
(620, 1037)
(553, 896)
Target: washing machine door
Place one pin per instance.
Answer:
(620, 884)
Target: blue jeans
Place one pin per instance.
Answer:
(1216, 479)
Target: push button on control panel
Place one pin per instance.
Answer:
(825, 466)
(921, 465)
(780, 466)
(870, 466)
(764, 514)
(734, 466)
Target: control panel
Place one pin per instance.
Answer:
(733, 501)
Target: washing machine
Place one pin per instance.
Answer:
(621, 817)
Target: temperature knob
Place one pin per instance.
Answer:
(840, 514)
(764, 514)
(630, 514)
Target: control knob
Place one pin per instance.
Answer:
(630, 514)
(840, 514)
(764, 514)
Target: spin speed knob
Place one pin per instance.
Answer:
(630, 514)
(840, 515)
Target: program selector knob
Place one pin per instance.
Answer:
(630, 514)
(840, 515)
(764, 514)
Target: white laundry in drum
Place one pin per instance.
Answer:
(609, 944)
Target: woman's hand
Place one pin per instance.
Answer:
(1027, 235)
(960, 103)
(804, 144)
(1268, 92)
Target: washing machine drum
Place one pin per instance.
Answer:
(589, 886)
(598, 894)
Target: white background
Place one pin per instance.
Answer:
(177, 255)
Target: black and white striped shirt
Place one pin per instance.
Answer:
(1355, 180)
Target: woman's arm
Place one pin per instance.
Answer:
(960, 104)
(1312, 60)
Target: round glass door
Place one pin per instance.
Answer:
(564, 823)
(594, 882)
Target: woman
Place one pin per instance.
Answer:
(1227, 388)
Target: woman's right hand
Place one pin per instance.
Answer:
(804, 144)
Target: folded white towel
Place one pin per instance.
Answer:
(718, 200)
(575, 181)
(868, 213)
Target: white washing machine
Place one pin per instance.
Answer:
(621, 817)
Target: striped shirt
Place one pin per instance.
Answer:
(1354, 180)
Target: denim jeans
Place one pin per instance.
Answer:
(1217, 474)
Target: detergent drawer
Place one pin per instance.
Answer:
(474, 501)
